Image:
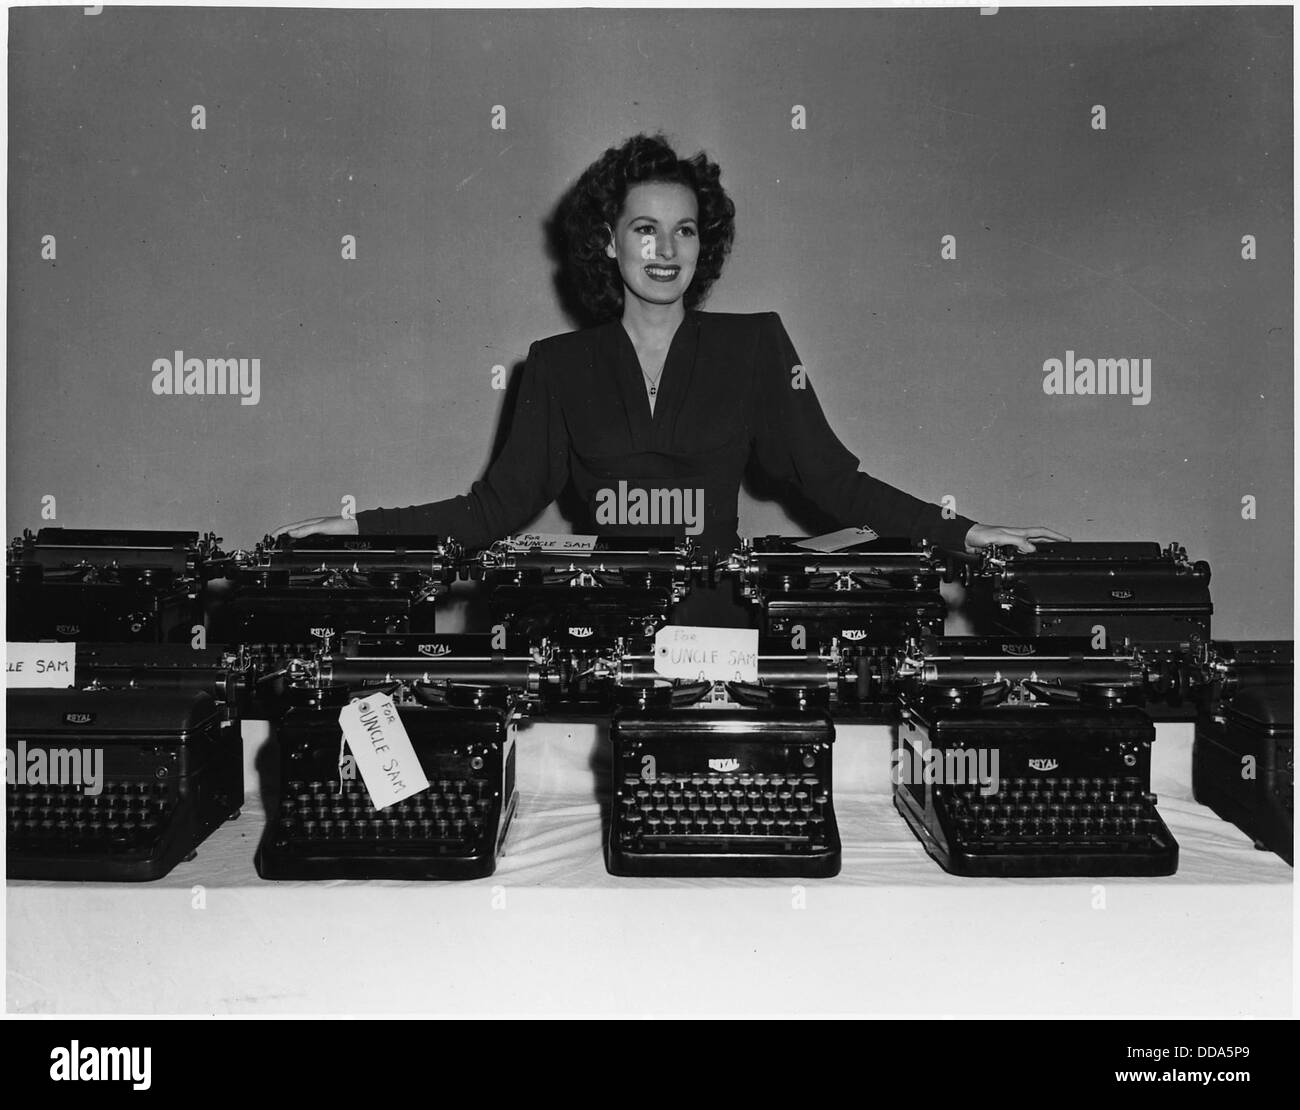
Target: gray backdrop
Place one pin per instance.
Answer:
(376, 374)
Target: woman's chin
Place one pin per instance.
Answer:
(663, 296)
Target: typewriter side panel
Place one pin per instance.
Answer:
(1243, 768)
(913, 796)
(509, 758)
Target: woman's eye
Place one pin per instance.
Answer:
(644, 229)
(688, 231)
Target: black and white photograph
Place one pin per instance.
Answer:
(650, 512)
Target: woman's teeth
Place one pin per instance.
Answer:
(662, 273)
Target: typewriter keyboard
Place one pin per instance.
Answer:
(1050, 813)
(746, 809)
(451, 811)
(127, 817)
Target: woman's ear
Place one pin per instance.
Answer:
(610, 252)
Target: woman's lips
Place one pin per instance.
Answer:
(662, 273)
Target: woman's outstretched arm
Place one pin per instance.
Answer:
(794, 443)
(529, 473)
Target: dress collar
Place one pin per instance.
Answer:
(654, 432)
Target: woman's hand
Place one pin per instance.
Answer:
(999, 535)
(320, 525)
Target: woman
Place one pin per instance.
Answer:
(654, 413)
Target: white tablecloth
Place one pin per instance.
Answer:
(552, 932)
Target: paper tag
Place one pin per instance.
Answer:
(383, 752)
(710, 654)
(838, 541)
(549, 542)
(41, 666)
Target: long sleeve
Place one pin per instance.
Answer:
(527, 476)
(794, 443)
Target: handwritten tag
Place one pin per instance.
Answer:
(383, 752)
(549, 542)
(41, 666)
(837, 541)
(697, 653)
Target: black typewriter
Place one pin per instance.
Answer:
(619, 588)
(1243, 757)
(122, 778)
(324, 825)
(877, 592)
(717, 792)
(108, 586)
(1031, 777)
(292, 596)
(1111, 593)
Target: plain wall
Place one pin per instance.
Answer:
(376, 374)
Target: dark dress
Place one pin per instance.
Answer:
(727, 393)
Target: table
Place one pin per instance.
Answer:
(551, 932)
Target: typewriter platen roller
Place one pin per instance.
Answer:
(430, 557)
(184, 554)
(426, 666)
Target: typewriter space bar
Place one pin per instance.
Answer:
(708, 840)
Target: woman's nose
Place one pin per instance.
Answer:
(665, 247)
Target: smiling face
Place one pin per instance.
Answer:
(656, 241)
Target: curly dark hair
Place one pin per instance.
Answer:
(597, 198)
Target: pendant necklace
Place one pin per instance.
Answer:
(653, 383)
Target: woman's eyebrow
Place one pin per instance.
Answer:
(651, 219)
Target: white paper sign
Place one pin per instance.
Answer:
(40, 666)
(549, 542)
(837, 541)
(697, 653)
(383, 752)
